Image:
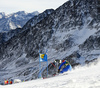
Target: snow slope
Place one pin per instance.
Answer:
(80, 77)
(70, 32)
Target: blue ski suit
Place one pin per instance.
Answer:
(68, 67)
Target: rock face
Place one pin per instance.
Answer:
(5, 36)
(70, 32)
(15, 20)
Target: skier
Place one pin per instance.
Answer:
(65, 66)
(10, 82)
(6, 82)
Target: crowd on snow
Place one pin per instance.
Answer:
(11, 81)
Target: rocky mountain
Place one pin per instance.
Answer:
(37, 19)
(2, 15)
(70, 32)
(15, 20)
(5, 36)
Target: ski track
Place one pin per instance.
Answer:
(80, 77)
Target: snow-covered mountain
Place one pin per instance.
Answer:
(15, 20)
(37, 19)
(5, 36)
(70, 32)
(2, 15)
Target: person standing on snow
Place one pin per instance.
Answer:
(10, 82)
(6, 82)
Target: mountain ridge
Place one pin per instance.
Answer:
(15, 20)
(65, 33)
(5, 36)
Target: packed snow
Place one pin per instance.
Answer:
(80, 77)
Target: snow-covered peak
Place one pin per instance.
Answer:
(21, 12)
(34, 20)
(15, 20)
(2, 14)
(38, 18)
(35, 13)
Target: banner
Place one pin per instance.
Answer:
(43, 57)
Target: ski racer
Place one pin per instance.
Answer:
(65, 66)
